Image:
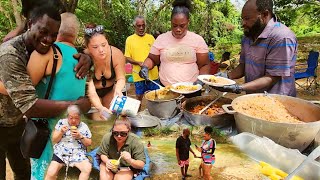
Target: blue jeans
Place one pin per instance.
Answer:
(143, 86)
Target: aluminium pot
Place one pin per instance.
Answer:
(219, 120)
(165, 105)
(291, 135)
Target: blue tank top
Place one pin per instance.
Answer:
(66, 86)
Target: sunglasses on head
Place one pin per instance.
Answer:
(92, 31)
(121, 133)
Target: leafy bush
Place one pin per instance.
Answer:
(148, 132)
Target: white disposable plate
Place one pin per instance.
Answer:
(185, 84)
(228, 81)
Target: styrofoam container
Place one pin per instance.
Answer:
(125, 105)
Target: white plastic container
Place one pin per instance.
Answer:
(264, 149)
(125, 105)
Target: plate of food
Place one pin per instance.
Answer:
(185, 87)
(216, 81)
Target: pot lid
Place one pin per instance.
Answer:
(143, 121)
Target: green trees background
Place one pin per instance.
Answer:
(218, 21)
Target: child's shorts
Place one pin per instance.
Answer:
(183, 163)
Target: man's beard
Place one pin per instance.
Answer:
(255, 30)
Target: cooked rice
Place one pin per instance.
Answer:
(217, 80)
(186, 88)
(266, 108)
(161, 94)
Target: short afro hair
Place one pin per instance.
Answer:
(263, 5)
(48, 10)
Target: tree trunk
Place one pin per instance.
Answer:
(141, 6)
(16, 13)
(101, 4)
(70, 5)
(73, 6)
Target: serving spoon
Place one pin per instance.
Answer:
(151, 81)
(205, 108)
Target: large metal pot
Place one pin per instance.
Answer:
(164, 105)
(290, 135)
(219, 120)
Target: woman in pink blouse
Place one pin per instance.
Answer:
(183, 54)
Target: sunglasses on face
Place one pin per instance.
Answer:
(92, 31)
(121, 133)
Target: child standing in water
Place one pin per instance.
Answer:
(207, 149)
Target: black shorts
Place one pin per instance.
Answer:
(57, 159)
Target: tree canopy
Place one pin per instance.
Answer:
(218, 21)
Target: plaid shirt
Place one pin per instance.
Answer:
(273, 53)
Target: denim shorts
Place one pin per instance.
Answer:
(143, 86)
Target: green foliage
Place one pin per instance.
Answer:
(301, 16)
(212, 20)
(217, 21)
(7, 22)
(148, 132)
(217, 132)
(219, 136)
(116, 16)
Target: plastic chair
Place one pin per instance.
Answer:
(146, 169)
(309, 73)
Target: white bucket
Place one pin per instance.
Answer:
(125, 105)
